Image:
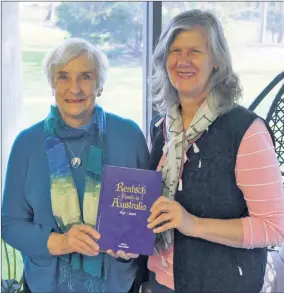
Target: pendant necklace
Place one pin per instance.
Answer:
(76, 161)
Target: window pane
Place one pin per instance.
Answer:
(115, 27)
(257, 49)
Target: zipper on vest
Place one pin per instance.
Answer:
(199, 164)
(234, 260)
(240, 270)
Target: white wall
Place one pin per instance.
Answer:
(11, 79)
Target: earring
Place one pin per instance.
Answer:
(215, 66)
(99, 92)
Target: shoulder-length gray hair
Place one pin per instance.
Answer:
(71, 49)
(223, 82)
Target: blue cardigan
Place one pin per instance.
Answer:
(27, 218)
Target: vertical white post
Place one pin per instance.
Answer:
(11, 79)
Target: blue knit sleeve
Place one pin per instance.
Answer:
(18, 229)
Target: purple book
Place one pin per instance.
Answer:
(127, 195)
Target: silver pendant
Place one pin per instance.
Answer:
(76, 162)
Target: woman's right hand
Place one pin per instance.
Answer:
(80, 239)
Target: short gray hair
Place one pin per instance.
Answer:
(223, 82)
(71, 49)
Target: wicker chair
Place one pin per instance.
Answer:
(275, 118)
(275, 115)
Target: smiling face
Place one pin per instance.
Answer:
(75, 87)
(189, 63)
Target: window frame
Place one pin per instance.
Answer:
(151, 32)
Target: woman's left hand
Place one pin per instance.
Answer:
(121, 254)
(170, 214)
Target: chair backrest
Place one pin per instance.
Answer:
(281, 252)
(275, 116)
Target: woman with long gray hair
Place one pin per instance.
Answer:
(223, 200)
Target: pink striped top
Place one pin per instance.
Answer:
(259, 178)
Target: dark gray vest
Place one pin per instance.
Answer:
(211, 192)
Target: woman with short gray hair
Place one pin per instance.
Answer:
(223, 200)
(53, 180)
(71, 49)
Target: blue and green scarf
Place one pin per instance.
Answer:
(64, 194)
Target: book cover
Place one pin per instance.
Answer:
(127, 195)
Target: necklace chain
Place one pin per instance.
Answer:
(80, 150)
